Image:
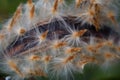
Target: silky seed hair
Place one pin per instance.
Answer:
(51, 38)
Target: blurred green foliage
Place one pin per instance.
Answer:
(94, 72)
(7, 7)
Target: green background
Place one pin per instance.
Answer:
(91, 71)
(7, 7)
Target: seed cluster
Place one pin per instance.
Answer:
(50, 38)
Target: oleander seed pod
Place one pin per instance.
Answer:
(49, 38)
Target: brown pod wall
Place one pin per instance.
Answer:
(60, 30)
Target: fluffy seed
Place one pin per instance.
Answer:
(91, 49)
(43, 35)
(72, 50)
(58, 45)
(2, 36)
(55, 7)
(78, 3)
(109, 56)
(37, 72)
(21, 31)
(14, 67)
(15, 17)
(69, 59)
(61, 1)
(111, 16)
(47, 58)
(79, 33)
(30, 3)
(34, 58)
(32, 11)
